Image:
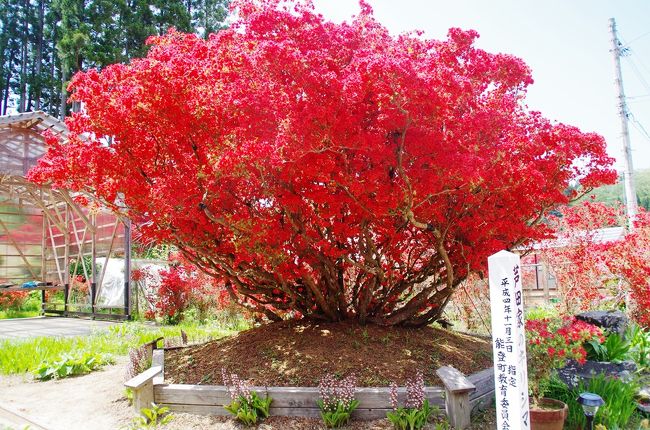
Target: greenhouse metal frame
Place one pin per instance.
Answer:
(48, 241)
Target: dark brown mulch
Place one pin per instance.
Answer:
(299, 353)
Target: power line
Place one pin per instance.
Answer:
(636, 38)
(639, 126)
(627, 52)
(642, 63)
(638, 73)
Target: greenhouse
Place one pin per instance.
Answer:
(73, 253)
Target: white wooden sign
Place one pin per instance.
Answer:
(508, 342)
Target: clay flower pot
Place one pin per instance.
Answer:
(548, 415)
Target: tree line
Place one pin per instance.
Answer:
(45, 42)
(614, 194)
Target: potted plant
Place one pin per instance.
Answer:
(550, 343)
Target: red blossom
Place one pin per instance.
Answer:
(14, 299)
(590, 271)
(182, 285)
(551, 342)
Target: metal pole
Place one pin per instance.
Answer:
(628, 180)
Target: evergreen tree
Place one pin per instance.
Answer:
(10, 43)
(208, 16)
(44, 42)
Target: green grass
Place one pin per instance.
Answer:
(30, 308)
(619, 411)
(22, 356)
(11, 313)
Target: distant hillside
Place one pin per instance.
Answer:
(611, 194)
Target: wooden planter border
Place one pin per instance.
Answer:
(459, 398)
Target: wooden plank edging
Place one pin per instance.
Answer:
(283, 397)
(301, 401)
(454, 381)
(143, 378)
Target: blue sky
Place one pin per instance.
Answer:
(565, 42)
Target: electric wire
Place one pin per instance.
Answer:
(635, 39)
(628, 54)
(636, 124)
(638, 73)
(640, 96)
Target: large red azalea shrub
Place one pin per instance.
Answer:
(330, 169)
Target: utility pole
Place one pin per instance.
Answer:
(628, 180)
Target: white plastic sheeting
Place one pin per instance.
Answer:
(149, 284)
(111, 292)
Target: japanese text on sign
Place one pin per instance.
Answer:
(508, 342)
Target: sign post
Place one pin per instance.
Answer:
(508, 342)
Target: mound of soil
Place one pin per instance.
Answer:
(299, 353)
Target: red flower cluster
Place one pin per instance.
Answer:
(562, 340)
(551, 342)
(12, 300)
(590, 269)
(182, 286)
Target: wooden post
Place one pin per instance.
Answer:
(127, 268)
(66, 296)
(66, 261)
(547, 291)
(93, 268)
(150, 347)
(43, 302)
(43, 258)
(142, 386)
(158, 360)
(457, 390)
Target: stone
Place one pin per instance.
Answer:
(574, 372)
(611, 321)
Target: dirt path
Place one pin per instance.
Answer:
(92, 401)
(96, 401)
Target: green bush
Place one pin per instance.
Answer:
(77, 267)
(249, 409)
(337, 415)
(614, 349)
(618, 412)
(639, 347)
(152, 418)
(542, 312)
(33, 302)
(72, 365)
(410, 418)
